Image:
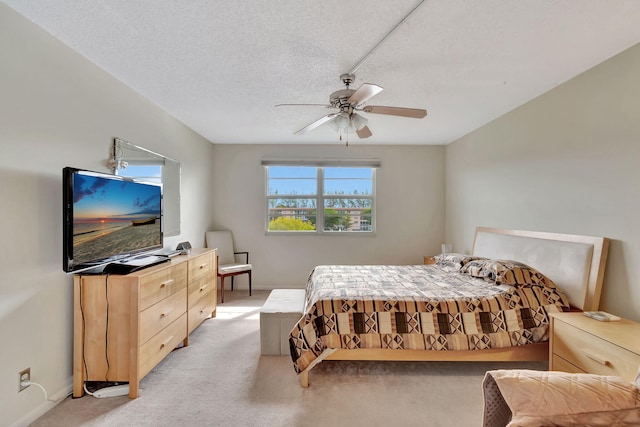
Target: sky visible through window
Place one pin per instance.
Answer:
(151, 173)
(302, 180)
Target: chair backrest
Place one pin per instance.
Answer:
(223, 240)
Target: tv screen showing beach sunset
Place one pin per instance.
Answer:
(113, 217)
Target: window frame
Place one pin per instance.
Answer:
(320, 197)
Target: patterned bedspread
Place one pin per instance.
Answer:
(417, 307)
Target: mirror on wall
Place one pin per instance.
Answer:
(137, 162)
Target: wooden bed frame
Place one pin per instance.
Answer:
(575, 263)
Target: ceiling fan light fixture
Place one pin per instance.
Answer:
(358, 121)
(347, 101)
(346, 123)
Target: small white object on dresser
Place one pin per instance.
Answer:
(602, 316)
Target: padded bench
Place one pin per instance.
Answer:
(279, 314)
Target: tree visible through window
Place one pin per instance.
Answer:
(345, 194)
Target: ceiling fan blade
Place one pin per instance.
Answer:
(364, 93)
(415, 113)
(320, 121)
(365, 132)
(304, 105)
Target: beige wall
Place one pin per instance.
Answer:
(565, 162)
(56, 110)
(410, 212)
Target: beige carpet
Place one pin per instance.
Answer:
(221, 379)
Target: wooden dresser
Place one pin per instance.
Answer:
(581, 344)
(124, 325)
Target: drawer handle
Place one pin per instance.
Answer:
(203, 266)
(167, 341)
(167, 282)
(596, 358)
(166, 314)
(203, 288)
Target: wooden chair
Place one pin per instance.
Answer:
(226, 258)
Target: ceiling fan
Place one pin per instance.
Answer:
(347, 102)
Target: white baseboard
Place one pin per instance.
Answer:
(45, 406)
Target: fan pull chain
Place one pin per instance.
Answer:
(346, 138)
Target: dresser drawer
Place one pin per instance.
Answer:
(159, 285)
(201, 266)
(559, 364)
(160, 315)
(154, 350)
(200, 287)
(593, 354)
(202, 308)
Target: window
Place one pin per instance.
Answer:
(136, 162)
(345, 193)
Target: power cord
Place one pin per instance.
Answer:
(28, 383)
(106, 328)
(86, 390)
(84, 327)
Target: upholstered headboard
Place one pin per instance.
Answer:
(575, 263)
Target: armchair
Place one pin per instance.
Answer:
(521, 398)
(227, 265)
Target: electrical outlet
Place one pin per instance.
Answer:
(24, 375)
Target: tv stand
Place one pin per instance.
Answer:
(124, 325)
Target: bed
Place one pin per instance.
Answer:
(437, 313)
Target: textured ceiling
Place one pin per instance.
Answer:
(220, 67)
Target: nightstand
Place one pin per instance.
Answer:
(581, 344)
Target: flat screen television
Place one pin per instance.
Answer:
(108, 219)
